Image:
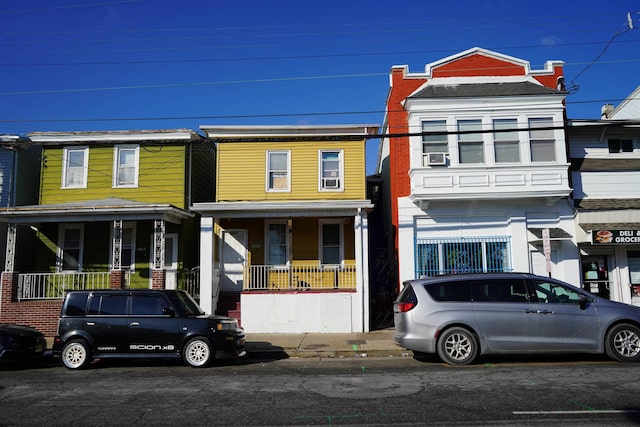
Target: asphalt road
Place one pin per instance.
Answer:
(345, 391)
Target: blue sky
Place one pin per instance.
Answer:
(72, 65)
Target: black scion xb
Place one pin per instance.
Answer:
(142, 323)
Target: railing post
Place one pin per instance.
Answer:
(9, 286)
(116, 279)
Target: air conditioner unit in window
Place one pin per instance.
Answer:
(434, 159)
(330, 183)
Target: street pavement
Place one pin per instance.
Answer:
(377, 343)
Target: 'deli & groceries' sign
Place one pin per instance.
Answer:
(615, 237)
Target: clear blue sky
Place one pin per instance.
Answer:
(72, 65)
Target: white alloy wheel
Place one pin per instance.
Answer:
(623, 343)
(197, 352)
(76, 354)
(457, 346)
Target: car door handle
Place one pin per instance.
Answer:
(134, 324)
(529, 311)
(90, 323)
(545, 312)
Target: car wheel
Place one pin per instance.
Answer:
(623, 343)
(198, 352)
(76, 354)
(457, 346)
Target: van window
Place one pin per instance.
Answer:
(147, 305)
(549, 292)
(450, 291)
(76, 304)
(499, 290)
(108, 305)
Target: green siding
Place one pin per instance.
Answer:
(161, 177)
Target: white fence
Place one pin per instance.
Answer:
(39, 286)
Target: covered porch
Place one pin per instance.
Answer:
(287, 266)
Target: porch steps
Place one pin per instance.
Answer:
(229, 305)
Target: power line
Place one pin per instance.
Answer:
(72, 6)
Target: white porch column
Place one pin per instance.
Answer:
(206, 264)
(361, 307)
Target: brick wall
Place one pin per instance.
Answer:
(42, 315)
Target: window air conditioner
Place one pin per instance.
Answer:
(436, 159)
(330, 183)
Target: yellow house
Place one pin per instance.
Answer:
(284, 245)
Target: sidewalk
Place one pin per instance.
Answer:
(359, 344)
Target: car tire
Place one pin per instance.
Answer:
(622, 343)
(76, 354)
(457, 346)
(197, 352)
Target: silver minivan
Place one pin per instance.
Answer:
(462, 316)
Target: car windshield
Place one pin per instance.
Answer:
(186, 304)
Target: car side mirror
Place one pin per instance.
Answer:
(582, 302)
(168, 312)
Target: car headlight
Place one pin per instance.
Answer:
(227, 325)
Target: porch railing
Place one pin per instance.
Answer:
(39, 286)
(189, 280)
(300, 277)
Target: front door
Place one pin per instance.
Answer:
(234, 256)
(171, 260)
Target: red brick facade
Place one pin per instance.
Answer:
(43, 314)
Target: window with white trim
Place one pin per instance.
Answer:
(506, 142)
(70, 247)
(434, 139)
(462, 255)
(470, 142)
(277, 243)
(75, 161)
(542, 139)
(125, 166)
(278, 170)
(331, 170)
(331, 249)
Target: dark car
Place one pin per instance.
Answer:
(20, 343)
(142, 323)
(462, 316)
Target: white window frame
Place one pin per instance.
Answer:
(132, 226)
(117, 165)
(268, 182)
(66, 154)
(321, 244)
(267, 243)
(465, 139)
(434, 143)
(62, 229)
(533, 139)
(323, 181)
(511, 138)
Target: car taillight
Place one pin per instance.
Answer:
(403, 307)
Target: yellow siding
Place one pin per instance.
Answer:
(161, 177)
(242, 171)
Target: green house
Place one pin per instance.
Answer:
(113, 212)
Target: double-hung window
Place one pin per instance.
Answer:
(542, 139)
(434, 139)
(506, 142)
(331, 170)
(125, 167)
(70, 246)
(75, 162)
(278, 171)
(470, 141)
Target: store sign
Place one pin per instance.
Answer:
(615, 237)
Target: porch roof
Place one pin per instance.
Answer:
(325, 208)
(94, 210)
